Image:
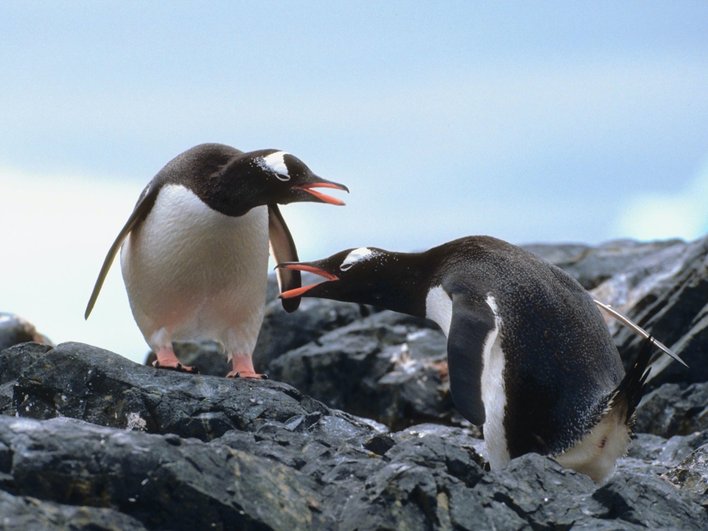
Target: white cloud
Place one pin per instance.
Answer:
(683, 214)
(55, 232)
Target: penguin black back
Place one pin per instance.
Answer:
(560, 361)
(556, 366)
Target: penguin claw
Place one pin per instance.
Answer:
(178, 367)
(254, 376)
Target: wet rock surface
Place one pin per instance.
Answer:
(90, 440)
(96, 439)
(388, 367)
(665, 292)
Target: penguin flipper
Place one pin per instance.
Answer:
(142, 209)
(470, 326)
(283, 249)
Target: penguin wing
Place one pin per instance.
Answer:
(471, 323)
(140, 212)
(282, 247)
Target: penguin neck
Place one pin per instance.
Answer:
(403, 286)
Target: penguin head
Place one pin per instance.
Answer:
(275, 176)
(354, 275)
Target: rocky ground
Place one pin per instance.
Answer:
(355, 428)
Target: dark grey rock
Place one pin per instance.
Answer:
(649, 502)
(670, 452)
(425, 480)
(282, 331)
(591, 266)
(267, 457)
(691, 475)
(540, 492)
(547, 496)
(163, 482)
(16, 359)
(21, 513)
(674, 409)
(388, 366)
(653, 455)
(84, 382)
(665, 293)
(15, 330)
(12, 362)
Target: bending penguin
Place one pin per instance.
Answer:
(194, 252)
(529, 354)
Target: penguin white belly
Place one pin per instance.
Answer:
(597, 452)
(193, 273)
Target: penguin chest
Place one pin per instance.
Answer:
(194, 272)
(491, 386)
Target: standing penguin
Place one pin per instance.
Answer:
(194, 251)
(529, 354)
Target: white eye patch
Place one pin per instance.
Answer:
(357, 255)
(275, 162)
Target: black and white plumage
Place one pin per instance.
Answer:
(529, 355)
(194, 252)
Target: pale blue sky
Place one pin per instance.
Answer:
(530, 121)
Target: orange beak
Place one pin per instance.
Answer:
(295, 266)
(309, 188)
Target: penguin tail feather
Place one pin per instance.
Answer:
(630, 390)
(634, 327)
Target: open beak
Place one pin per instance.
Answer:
(310, 189)
(308, 268)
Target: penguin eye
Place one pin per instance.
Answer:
(357, 255)
(275, 163)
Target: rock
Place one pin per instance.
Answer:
(653, 455)
(540, 493)
(425, 481)
(24, 512)
(665, 293)
(546, 496)
(692, 475)
(388, 366)
(650, 502)
(656, 450)
(64, 382)
(674, 409)
(15, 330)
(282, 331)
(12, 362)
(162, 482)
(261, 455)
(591, 266)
